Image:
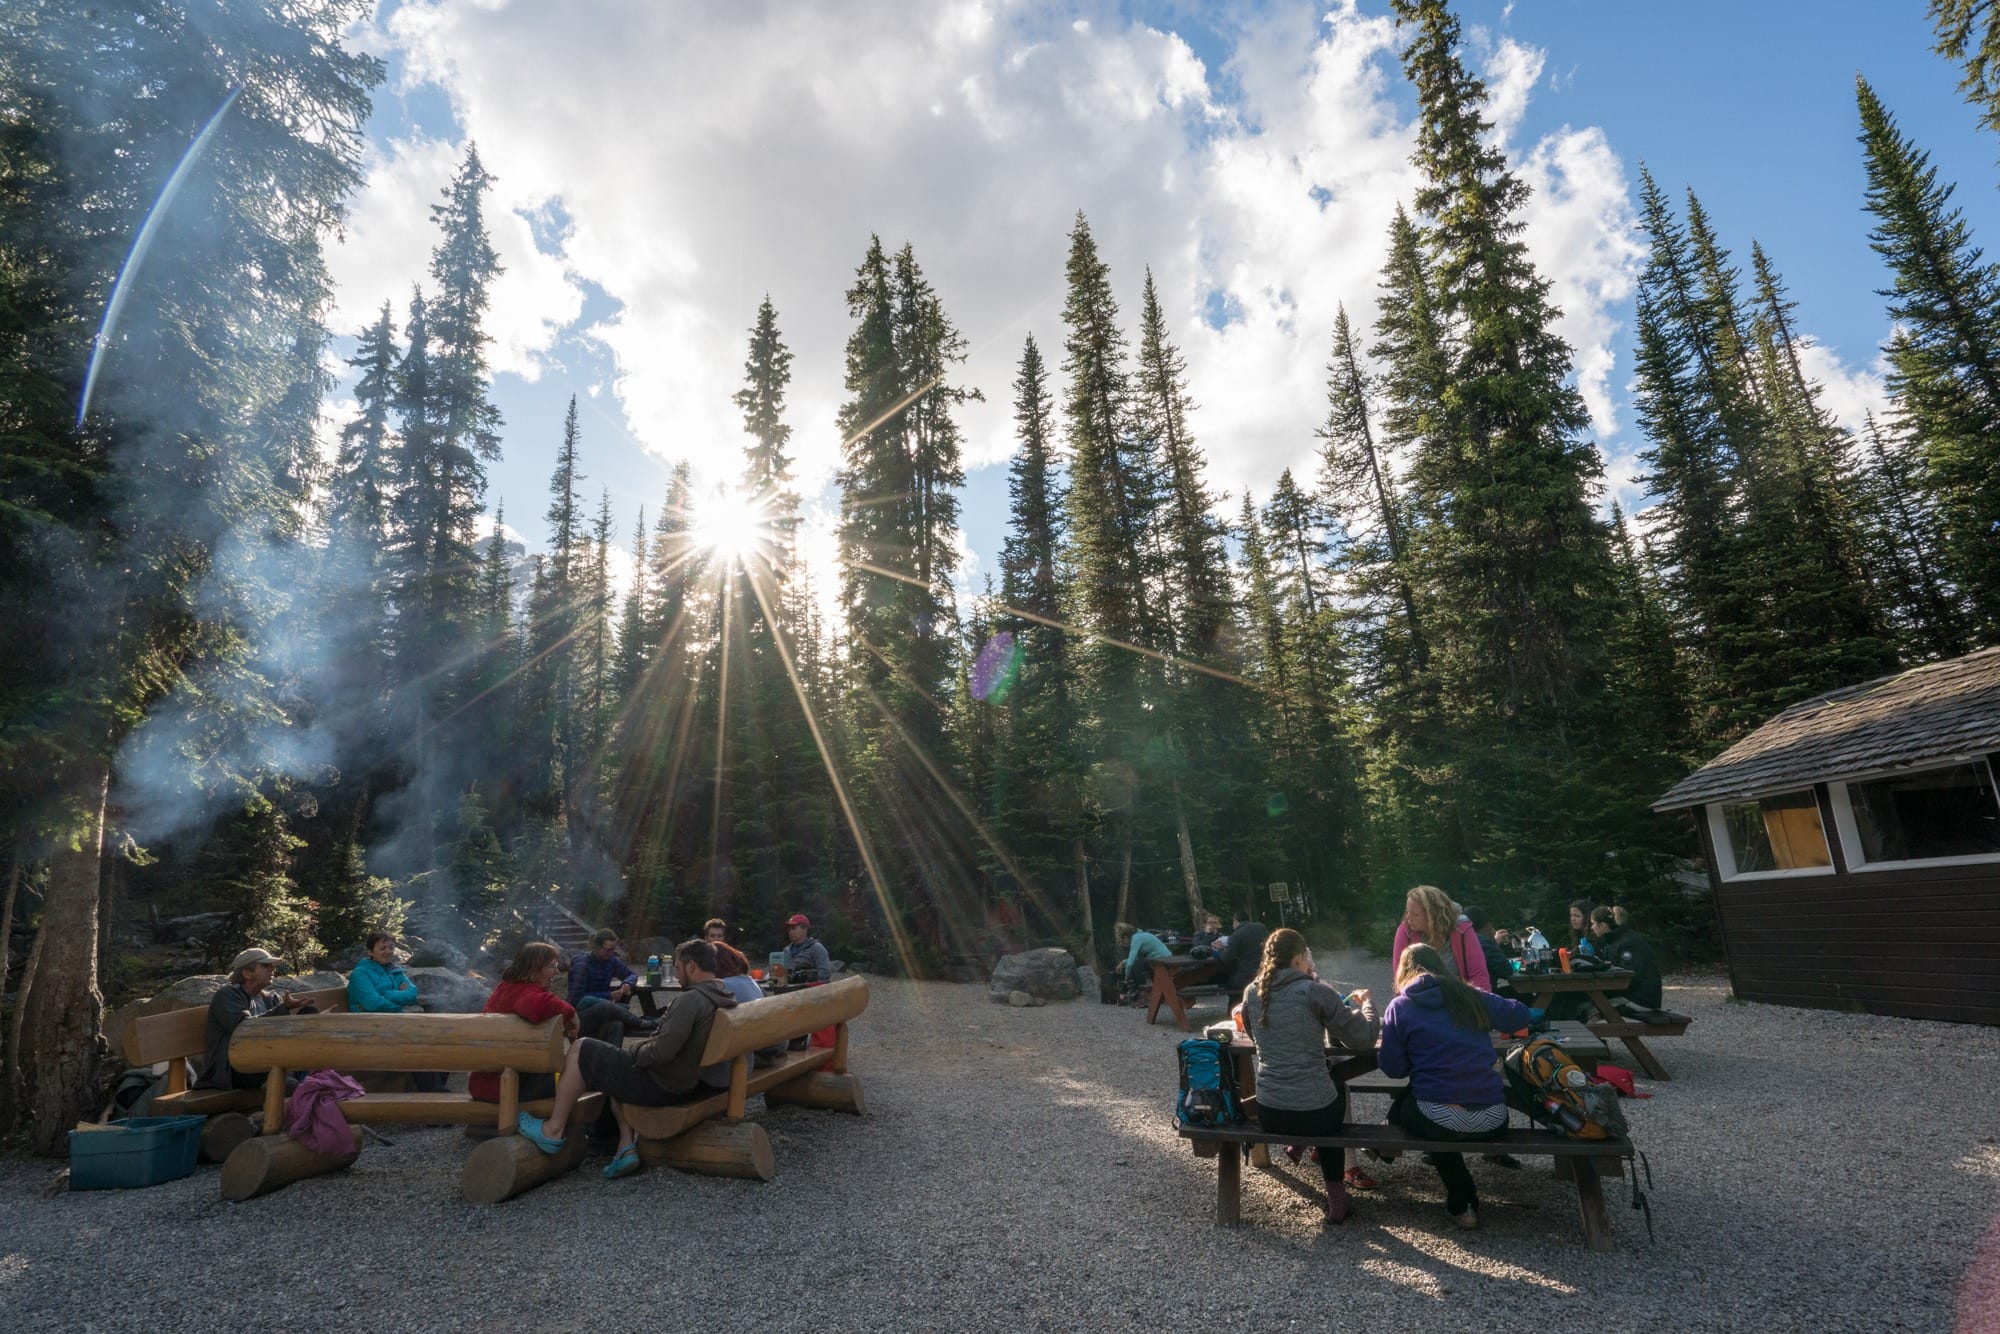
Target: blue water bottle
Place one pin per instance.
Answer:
(652, 970)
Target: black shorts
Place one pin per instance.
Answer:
(611, 1070)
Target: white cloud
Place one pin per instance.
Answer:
(1850, 393)
(707, 156)
(389, 238)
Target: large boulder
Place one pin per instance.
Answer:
(446, 992)
(1044, 975)
(324, 979)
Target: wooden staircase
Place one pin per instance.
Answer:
(565, 930)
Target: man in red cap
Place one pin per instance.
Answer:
(806, 960)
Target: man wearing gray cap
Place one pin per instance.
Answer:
(247, 996)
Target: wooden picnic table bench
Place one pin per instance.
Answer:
(1610, 1023)
(1582, 1156)
(688, 1136)
(179, 1036)
(1176, 979)
(280, 1045)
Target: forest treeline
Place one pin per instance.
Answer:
(242, 676)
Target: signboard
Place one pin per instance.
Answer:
(1280, 891)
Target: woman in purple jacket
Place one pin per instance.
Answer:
(1437, 1033)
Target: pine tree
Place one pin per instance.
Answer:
(634, 650)
(1040, 793)
(1519, 564)
(1112, 504)
(116, 596)
(1829, 605)
(1204, 710)
(898, 517)
(1968, 31)
(767, 468)
(1905, 542)
(1944, 358)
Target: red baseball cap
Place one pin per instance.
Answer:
(797, 919)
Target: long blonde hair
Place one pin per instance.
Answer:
(1439, 913)
(1281, 948)
(1461, 1002)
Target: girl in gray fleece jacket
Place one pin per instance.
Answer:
(1290, 1013)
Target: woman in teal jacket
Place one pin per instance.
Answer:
(378, 985)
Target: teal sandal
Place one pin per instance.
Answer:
(531, 1129)
(624, 1165)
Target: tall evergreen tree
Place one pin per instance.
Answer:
(1112, 504)
(1519, 563)
(1944, 358)
(1968, 31)
(1040, 793)
(1905, 542)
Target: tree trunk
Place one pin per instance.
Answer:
(1083, 899)
(60, 1012)
(1125, 878)
(6, 940)
(1187, 863)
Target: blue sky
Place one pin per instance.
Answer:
(663, 166)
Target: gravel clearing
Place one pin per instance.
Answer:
(1017, 1170)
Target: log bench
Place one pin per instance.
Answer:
(280, 1045)
(1222, 1143)
(687, 1134)
(178, 1036)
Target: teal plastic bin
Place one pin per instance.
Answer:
(141, 1151)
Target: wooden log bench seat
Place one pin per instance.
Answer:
(1583, 1159)
(177, 1037)
(688, 1135)
(282, 1045)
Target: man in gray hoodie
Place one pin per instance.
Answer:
(664, 1069)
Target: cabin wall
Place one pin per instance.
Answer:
(1922, 943)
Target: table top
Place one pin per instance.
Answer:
(1542, 984)
(1568, 1033)
(769, 989)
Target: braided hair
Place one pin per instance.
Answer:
(1281, 947)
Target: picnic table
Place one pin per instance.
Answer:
(1611, 1024)
(1356, 1069)
(648, 994)
(1173, 977)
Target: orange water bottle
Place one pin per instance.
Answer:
(1564, 956)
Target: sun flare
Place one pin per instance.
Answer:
(732, 525)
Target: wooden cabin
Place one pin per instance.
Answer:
(1853, 843)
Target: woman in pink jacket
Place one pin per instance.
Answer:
(1431, 918)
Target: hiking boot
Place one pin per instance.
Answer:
(1356, 1179)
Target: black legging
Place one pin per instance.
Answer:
(605, 1020)
(1460, 1193)
(1327, 1120)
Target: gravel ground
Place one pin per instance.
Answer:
(1017, 1170)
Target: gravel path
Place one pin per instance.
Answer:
(1017, 1171)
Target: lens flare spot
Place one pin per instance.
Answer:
(996, 668)
(1277, 804)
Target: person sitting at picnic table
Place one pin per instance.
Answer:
(732, 969)
(1579, 925)
(1625, 947)
(715, 929)
(806, 960)
(1431, 918)
(1288, 1013)
(1204, 939)
(600, 983)
(1498, 972)
(524, 990)
(1243, 956)
(1436, 1033)
(1137, 967)
(657, 1073)
(248, 995)
(378, 985)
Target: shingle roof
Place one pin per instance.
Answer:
(1939, 711)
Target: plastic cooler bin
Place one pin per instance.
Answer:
(141, 1151)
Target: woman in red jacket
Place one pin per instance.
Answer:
(524, 990)
(1431, 918)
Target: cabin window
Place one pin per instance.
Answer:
(1777, 833)
(1933, 813)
